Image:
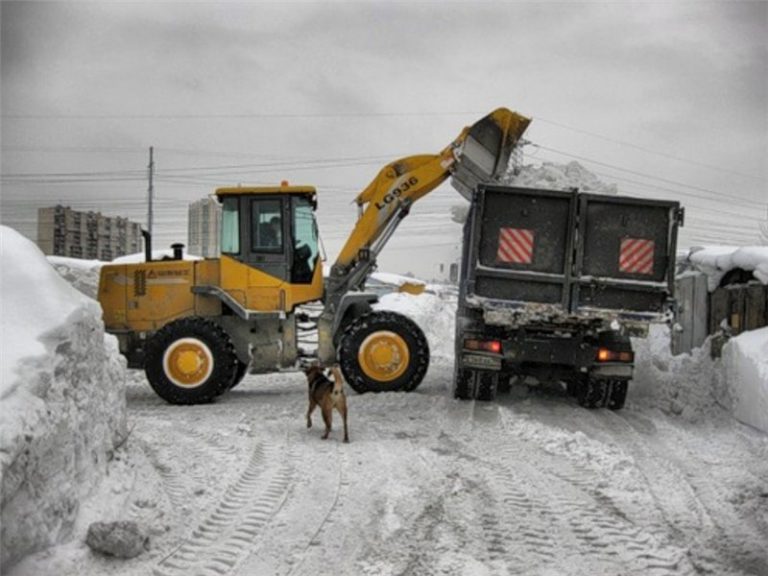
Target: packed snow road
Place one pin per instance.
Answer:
(532, 484)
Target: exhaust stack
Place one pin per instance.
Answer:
(147, 245)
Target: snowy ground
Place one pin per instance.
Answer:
(531, 484)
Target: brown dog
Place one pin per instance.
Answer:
(328, 395)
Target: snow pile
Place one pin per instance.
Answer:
(683, 385)
(717, 261)
(81, 274)
(694, 385)
(62, 398)
(549, 176)
(560, 177)
(745, 371)
(435, 314)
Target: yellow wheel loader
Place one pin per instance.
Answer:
(196, 327)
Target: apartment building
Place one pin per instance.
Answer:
(62, 231)
(203, 228)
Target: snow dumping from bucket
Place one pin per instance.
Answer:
(62, 400)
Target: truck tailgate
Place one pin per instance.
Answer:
(579, 254)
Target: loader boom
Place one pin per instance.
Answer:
(479, 154)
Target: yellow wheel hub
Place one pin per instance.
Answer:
(384, 356)
(188, 362)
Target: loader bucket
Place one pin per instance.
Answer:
(487, 146)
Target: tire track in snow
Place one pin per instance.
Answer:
(223, 539)
(584, 527)
(676, 501)
(331, 546)
(175, 487)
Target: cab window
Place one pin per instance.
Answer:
(305, 250)
(267, 226)
(230, 227)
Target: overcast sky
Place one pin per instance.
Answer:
(666, 99)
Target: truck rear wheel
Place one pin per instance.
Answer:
(190, 361)
(487, 386)
(383, 351)
(464, 384)
(590, 392)
(617, 394)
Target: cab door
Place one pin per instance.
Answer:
(254, 249)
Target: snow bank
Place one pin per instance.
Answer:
(81, 274)
(62, 399)
(717, 261)
(683, 385)
(695, 386)
(560, 177)
(745, 366)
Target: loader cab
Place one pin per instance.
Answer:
(269, 246)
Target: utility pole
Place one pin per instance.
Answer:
(151, 189)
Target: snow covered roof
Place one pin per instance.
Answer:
(717, 261)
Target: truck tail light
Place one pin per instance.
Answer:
(483, 345)
(608, 355)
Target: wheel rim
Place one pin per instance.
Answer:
(188, 362)
(384, 356)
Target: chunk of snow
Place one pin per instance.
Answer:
(745, 362)
(62, 399)
(717, 261)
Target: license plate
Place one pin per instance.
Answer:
(484, 362)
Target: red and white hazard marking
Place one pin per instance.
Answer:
(636, 256)
(515, 246)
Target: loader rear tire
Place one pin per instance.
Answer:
(190, 361)
(383, 351)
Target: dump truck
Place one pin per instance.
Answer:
(197, 327)
(553, 283)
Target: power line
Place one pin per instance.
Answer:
(255, 115)
(648, 150)
(636, 173)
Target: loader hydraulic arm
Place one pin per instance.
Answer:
(479, 154)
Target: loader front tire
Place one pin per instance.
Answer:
(383, 351)
(190, 361)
